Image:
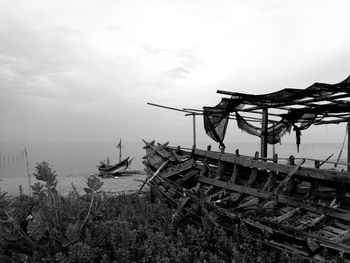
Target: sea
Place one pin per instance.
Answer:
(75, 161)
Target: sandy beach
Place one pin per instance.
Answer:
(125, 184)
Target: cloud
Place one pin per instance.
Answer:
(101, 62)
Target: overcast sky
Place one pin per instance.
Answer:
(84, 70)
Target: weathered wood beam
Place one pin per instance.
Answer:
(348, 129)
(253, 173)
(294, 202)
(234, 174)
(287, 215)
(252, 202)
(313, 184)
(308, 172)
(190, 174)
(331, 122)
(176, 169)
(313, 223)
(272, 177)
(263, 138)
(220, 170)
(194, 130)
(283, 185)
(297, 232)
(157, 149)
(297, 102)
(179, 208)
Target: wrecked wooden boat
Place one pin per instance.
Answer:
(284, 203)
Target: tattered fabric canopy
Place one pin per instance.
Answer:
(298, 109)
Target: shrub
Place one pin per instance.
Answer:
(95, 227)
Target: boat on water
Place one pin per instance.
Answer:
(108, 170)
(296, 205)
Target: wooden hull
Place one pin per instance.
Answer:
(121, 173)
(298, 209)
(114, 168)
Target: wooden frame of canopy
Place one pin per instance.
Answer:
(339, 102)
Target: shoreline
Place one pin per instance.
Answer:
(126, 184)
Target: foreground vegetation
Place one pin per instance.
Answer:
(93, 227)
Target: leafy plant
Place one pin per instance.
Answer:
(95, 227)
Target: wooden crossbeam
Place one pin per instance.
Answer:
(297, 102)
(190, 174)
(287, 200)
(149, 179)
(287, 215)
(179, 208)
(283, 185)
(307, 172)
(234, 174)
(220, 170)
(180, 168)
(157, 149)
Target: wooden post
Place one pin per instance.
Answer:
(29, 182)
(194, 129)
(347, 127)
(263, 148)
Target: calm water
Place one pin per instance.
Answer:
(74, 161)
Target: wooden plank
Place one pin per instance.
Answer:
(294, 202)
(270, 182)
(251, 202)
(314, 183)
(343, 237)
(217, 194)
(284, 183)
(179, 208)
(287, 215)
(234, 174)
(253, 172)
(176, 169)
(308, 172)
(272, 177)
(177, 157)
(267, 231)
(204, 210)
(220, 170)
(190, 174)
(263, 135)
(158, 149)
(348, 157)
(305, 234)
(154, 175)
(313, 223)
(293, 250)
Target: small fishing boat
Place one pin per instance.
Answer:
(106, 167)
(107, 170)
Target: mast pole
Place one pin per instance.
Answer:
(263, 144)
(120, 150)
(347, 127)
(194, 129)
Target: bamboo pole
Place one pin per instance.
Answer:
(149, 179)
(347, 127)
(29, 182)
(263, 148)
(194, 130)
